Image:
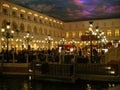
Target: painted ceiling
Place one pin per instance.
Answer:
(74, 10)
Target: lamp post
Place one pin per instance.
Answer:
(91, 30)
(102, 39)
(49, 39)
(63, 41)
(97, 36)
(7, 33)
(73, 41)
(28, 38)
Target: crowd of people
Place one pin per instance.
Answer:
(80, 55)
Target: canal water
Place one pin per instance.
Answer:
(24, 83)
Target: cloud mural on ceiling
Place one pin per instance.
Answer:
(74, 10)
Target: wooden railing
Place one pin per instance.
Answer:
(74, 71)
(47, 66)
(97, 69)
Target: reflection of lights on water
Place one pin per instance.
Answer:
(37, 64)
(25, 86)
(88, 87)
(30, 70)
(30, 77)
(107, 67)
(112, 72)
(111, 85)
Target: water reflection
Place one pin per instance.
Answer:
(25, 83)
(88, 87)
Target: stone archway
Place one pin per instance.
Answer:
(29, 28)
(40, 30)
(35, 30)
(4, 23)
(14, 26)
(22, 27)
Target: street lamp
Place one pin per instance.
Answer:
(97, 36)
(91, 30)
(102, 39)
(7, 33)
(49, 39)
(28, 38)
(62, 41)
(72, 41)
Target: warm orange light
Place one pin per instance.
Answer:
(30, 13)
(61, 23)
(22, 10)
(46, 18)
(6, 5)
(15, 8)
(54, 20)
(50, 19)
(36, 15)
(41, 16)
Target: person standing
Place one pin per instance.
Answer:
(62, 55)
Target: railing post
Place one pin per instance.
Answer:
(62, 58)
(2, 62)
(27, 58)
(59, 59)
(46, 58)
(74, 72)
(2, 71)
(13, 58)
(119, 69)
(37, 57)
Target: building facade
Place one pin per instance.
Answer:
(110, 27)
(23, 20)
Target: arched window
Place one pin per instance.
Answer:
(40, 31)
(22, 16)
(67, 34)
(73, 34)
(117, 32)
(80, 34)
(22, 28)
(35, 30)
(40, 21)
(14, 13)
(29, 17)
(5, 11)
(14, 25)
(45, 31)
(109, 33)
(29, 28)
(4, 23)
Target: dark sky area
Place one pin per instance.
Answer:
(74, 10)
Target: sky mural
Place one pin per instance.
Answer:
(74, 10)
